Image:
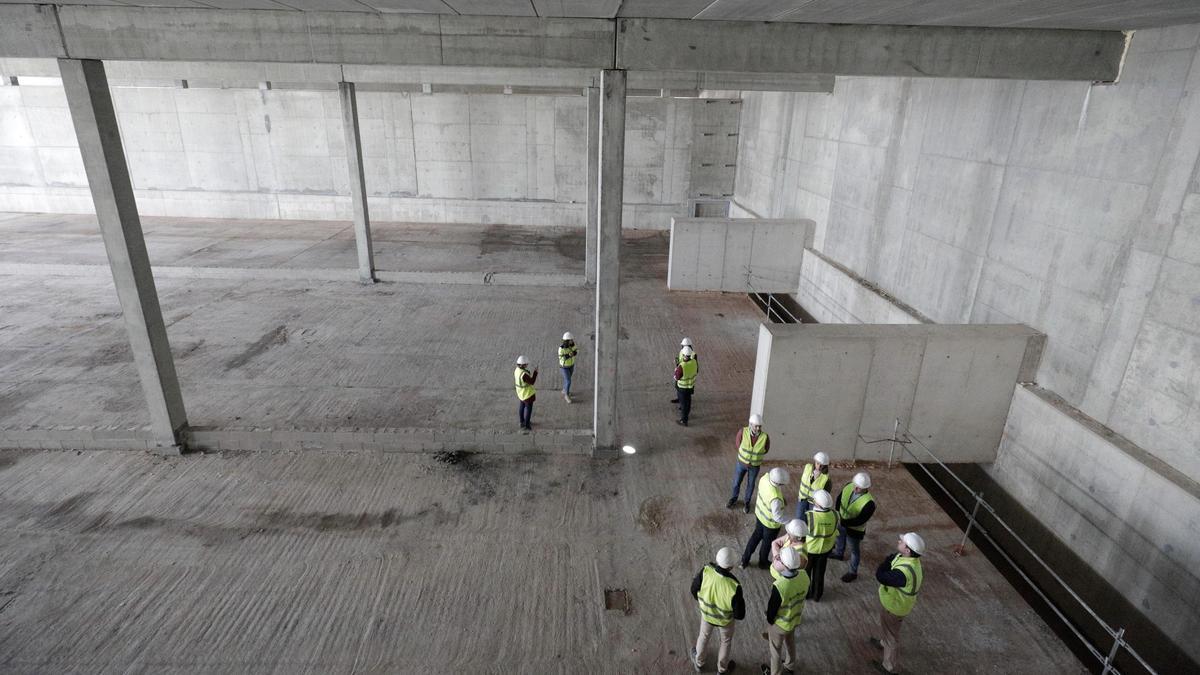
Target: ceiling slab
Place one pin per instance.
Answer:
(409, 6)
(492, 7)
(596, 9)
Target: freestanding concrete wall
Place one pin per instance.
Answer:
(833, 387)
(737, 255)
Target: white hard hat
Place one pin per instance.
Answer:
(797, 528)
(862, 480)
(726, 557)
(522, 360)
(567, 336)
(756, 420)
(823, 499)
(914, 542)
(778, 476)
(821, 458)
(685, 342)
(790, 558)
(687, 351)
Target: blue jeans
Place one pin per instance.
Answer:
(839, 547)
(803, 508)
(525, 413)
(743, 470)
(566, 371)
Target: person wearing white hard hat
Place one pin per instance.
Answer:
(719, 597)
(567, 351)
(685, 383)
(769, 515)
(815, 477)
(685, 342)
(526, 394)
(752, 445)
(900, 578)
(855, 507)
(785, 609)
(793, 538)
(822, 527)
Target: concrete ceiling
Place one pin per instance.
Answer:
(1076, 14)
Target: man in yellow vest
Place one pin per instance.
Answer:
(822, 527)
(768, 516)
(685, 382)
(815, 477)
(719, 596)
(794, 539)
(752, 445)
(567, 351)
(900, 577)
(685, 342)
(526, 394)
(856, 505)
(785, 609)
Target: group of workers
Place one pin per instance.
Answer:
(822, 528)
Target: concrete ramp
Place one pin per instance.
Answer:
(836, 387)
(737, 254)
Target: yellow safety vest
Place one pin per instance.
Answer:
(849, 505)
(796, 544)
(767, 493)
(822, 528)
(524, 391)
(810, 483)
(688, 381)
(900, 601)
(791, 594)
(695, 357)
(752, 454)
(716, 596)
(566, 355)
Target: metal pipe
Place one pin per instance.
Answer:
(1112, 653)
(962, 545)
(892, 451)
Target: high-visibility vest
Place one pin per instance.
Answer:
(767, 493)
(751, 454)
(822, 528)
(688, 380)
(524, 391)
(796, 544)
(566, 355)
(791, 593)
(716, 596)
(900, 601)
(810, 483)
(850, 505)
(695, 358)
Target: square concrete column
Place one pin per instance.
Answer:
(358, 183)
(95, 122)
(593, 183)
(608, 259)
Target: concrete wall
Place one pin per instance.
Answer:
(248, 153)
(833, 294)
(829, 386)
(736, 255)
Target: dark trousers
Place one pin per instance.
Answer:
(816, 575)
(685, 402)
(525, 413)
(761, 539)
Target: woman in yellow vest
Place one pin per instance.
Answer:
(795, 530)
(719, 597)
(815, 477)
(785, 609)
(822, 527)
(526, 394)
(567, 351)
(900, 578)
(752, 446)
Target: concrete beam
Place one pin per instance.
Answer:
(593, 184)
(91, 106)
(608, 258)
(358, 183)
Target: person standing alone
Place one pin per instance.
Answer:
(685, 382)
(753, 444)
(567, 351)
(526, 394)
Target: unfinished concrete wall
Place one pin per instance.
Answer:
(830, 293)
(476, 158)
(736, 255)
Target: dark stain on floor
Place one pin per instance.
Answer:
(653, 513)
(274, 337)
(722, 521)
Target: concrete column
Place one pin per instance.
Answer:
(358, 183)
(608, 258)
(95, 121)
(593, 182)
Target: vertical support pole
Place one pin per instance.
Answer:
(95, 121)
(593, 183)
(358, 183)
(1112, 653)
(962, 545)
(892, 451)
(608, 259)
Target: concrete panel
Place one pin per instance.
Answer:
(29, 31)
(832, 294)
(736, 255)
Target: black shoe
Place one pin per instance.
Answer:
(745, 564)
(682, 423)
(765, 669)
(874, 642)
(729, 504)
(880, 668)
(837, 557)
(748, 507)
(674, 400)
(729, 668)
(849, 576)
(763, 565)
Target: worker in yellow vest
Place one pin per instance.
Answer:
(900, 578)
(768, 516)
(815, 477)
(855, 507)
(795, 531)
(785, 609)
(686, 342)
(685, 382)
(719, 596)
(752, 445)
(822, 527)
(526, 394)
(567, 351)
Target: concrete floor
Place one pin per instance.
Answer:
(298, 561)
